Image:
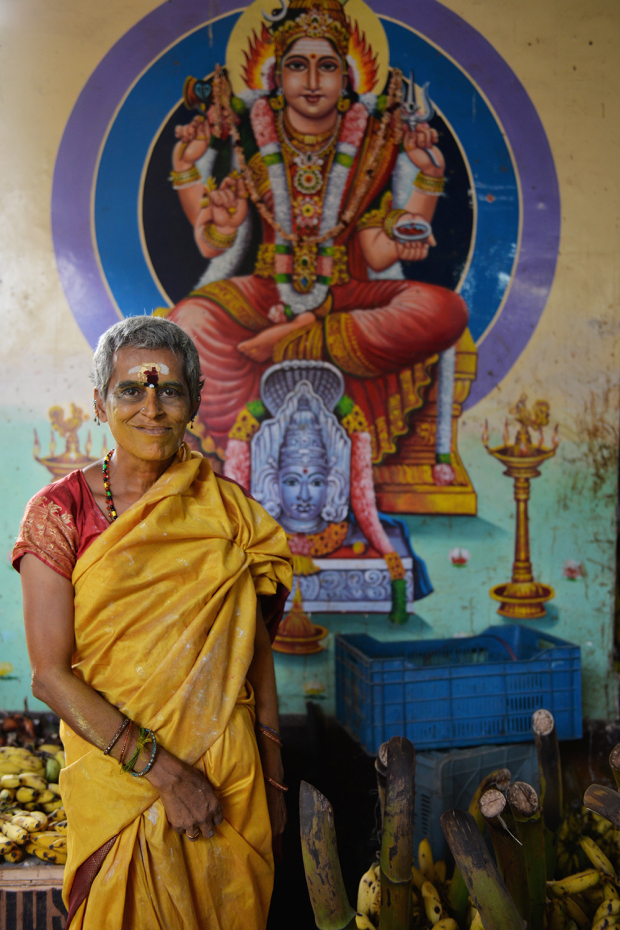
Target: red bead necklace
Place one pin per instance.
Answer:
(106, 485)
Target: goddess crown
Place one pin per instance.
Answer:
(316, 19)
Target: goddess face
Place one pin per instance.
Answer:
(302, 492)
(312, 78)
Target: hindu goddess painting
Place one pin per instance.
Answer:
(307, 142)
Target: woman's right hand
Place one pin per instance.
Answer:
(190, 802)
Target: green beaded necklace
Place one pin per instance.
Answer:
(106, 485)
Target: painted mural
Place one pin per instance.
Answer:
(354, 211)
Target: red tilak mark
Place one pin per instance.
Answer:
(305, 471)
(152, 377)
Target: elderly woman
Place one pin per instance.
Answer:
(149, 585)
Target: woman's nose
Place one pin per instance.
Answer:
(152, 404)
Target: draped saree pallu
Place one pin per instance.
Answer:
(165, 608)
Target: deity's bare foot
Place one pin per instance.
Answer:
(259, 348)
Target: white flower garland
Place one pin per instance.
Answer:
(336, 183)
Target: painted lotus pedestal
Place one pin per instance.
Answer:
(522, 598)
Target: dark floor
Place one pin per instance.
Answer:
(318, 751)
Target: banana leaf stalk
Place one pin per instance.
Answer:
(527, 814)
(328, 897)
(603, 801)
(550, 771)
(614, 762)
(457, 893)
(397, 837)
(508, 850)
(484, 883)
(381, 772)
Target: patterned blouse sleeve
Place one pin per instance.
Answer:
(49, 532)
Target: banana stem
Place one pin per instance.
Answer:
(527, 814)
(550, 771)
(614, 762)
(508, 850)
(458, 894)
(484, 883)
(603, 801)
(397, 837)
(381, 772)
(328, 897)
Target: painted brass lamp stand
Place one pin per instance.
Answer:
(522, 598)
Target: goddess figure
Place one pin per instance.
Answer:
(344, 187)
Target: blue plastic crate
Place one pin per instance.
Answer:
(467, 691)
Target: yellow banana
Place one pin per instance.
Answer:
(574, 884)
(48, 839)
(440, 872)
(417, 877)
(362, 922)
(32, 780)
(367, 881)
(52, 806)
(61, 758)
(26, 795)
(8, 767)
(28, 823)
(45, 797)
(476, 923)
(576, 913)
(61, 827)
(52, 786)
(41, 819)
(52, 748)
(605, 923)
(610, 892)
(432, 902)
(10, 781)
(5, 844)
(446, 923)
(14, 833)
(425, 860)
(57, 814)
(57, 856)
(596, 855)
(609, 908)
(7, 795)
(16, 854)
(558, 918)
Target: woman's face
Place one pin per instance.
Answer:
(148, 404)
(312, 78)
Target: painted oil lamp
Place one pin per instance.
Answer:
(522, 598)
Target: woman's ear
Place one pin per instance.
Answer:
(99, 406)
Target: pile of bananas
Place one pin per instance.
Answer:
(427, 891)
(583, 830)
(32, 818)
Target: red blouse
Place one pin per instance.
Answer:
(59, 524)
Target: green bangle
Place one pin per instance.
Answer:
(145, 736)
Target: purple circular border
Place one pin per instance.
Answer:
(133, 53)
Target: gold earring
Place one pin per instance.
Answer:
(344, 102)
(277, 102)
(96, 417)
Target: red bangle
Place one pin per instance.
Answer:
(124, 724)
(276, 784)
(125, 741)
(269, 733)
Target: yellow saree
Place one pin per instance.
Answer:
(165, 607)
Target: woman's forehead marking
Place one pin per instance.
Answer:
(150, 371)
(312, 47)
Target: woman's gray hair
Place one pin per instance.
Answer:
(146, 332)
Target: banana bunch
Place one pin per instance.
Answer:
(32, 832)
(369, 898)
(584, 825)
(30, 780)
